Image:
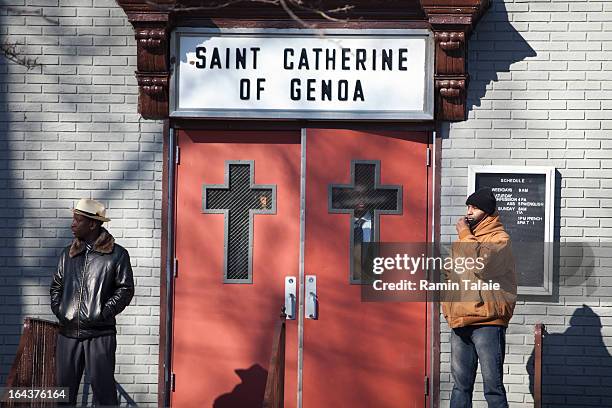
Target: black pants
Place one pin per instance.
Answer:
(98, 355)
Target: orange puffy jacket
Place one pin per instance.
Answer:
(491, 243)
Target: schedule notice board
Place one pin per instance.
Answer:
(525, 202)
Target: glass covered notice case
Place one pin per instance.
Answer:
(525, 202)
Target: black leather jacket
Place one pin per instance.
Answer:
(91, 287)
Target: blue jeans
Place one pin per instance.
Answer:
(469, 345)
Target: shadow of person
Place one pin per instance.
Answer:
(249, 392)
(576, 365)
(125, 400)
(494, 46)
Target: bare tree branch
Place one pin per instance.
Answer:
(294, 16)
(326, 14)
(9, 49)
(10, 52)
(214, 6)
(286, 5)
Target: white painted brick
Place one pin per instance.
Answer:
(567, 95)
(546, 144)
(547, 124)
(493, 154)
(568, 85)
(597, 134)
(50, 108)
(558, 114)
(583, 124)
(547, 105)
(585, 85)
(566, 134)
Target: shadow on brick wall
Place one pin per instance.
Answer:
(494, 46)
(9, 328)
(29, 245)
(576, 365)
(36, 188)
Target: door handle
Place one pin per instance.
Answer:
(290, 297)
(312, 302)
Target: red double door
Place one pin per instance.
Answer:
(253, 208)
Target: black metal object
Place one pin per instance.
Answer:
(239, 201)
(365, 199)
(364, 195)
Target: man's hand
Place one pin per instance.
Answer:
(461, 225)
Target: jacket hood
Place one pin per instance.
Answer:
(489, 225)
(490, 241)
(104, 244)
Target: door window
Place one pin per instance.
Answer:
(239, 199)
(365, 199)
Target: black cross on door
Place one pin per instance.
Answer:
(239, 199)
(366, 200)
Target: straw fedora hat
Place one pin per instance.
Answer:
(91, 209)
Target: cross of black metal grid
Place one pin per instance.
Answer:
(239, 201)
(365, 199)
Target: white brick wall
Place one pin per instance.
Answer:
(541, 94)
(69, 129)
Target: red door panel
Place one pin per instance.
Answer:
(222, 334)
(362, 354)
(355, 354)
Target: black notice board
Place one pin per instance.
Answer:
(522, 205)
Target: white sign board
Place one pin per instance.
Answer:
(302, 74)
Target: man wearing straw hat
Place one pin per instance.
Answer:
(93, 283)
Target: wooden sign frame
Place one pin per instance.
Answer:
(319, 111)
(450, 21)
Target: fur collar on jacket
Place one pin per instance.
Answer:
(104, 244)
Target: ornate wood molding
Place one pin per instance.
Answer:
(450, 88)
(153, 68)
(450, 75)
(152, 32)
(450, 97)
(450, 41)
(153, 95)
(451, 21)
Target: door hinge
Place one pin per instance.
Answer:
(175, 267)
(428, 157)
(426, 385)
(173, 382)
(177, 155)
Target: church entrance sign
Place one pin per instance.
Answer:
(302, 74)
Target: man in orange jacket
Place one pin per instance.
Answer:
(478, 318)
